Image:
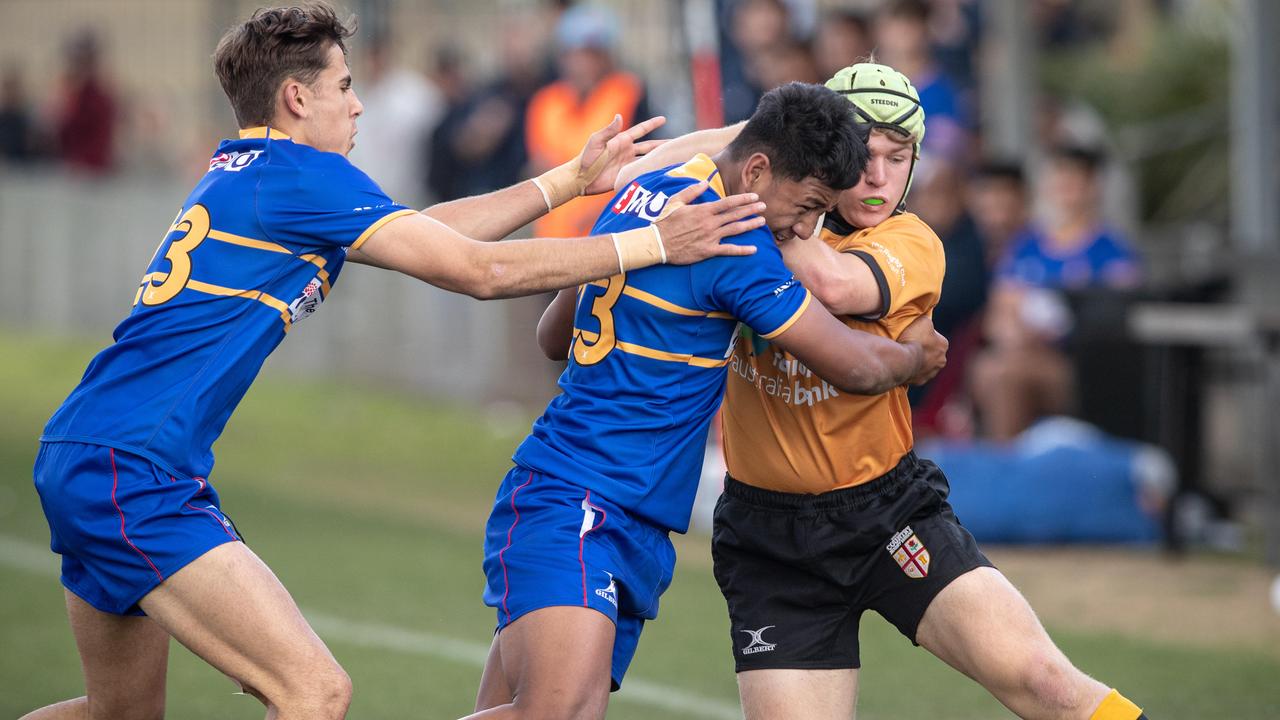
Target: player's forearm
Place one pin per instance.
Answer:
(678, 150)
(494, 215)
(874, 365)
(534, 265)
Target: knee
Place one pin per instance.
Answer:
(318, 692)
(1055, 685)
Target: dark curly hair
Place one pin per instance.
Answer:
(253, 58)
(806, 131)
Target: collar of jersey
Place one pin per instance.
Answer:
(262, 132)
(701, 167)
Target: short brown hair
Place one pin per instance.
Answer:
(253, 58)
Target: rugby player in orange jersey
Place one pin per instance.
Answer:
(827, 511)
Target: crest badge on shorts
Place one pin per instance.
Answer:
(910, 553)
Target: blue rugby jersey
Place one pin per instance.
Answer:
(254, 250)
(648, 360)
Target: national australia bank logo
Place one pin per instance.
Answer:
(758, 644)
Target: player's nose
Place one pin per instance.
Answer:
(875, 172)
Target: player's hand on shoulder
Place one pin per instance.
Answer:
(693, 232)
(931, 342)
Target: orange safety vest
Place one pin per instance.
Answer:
(558, 124)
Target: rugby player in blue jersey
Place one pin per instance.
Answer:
(577, 550)
(147, 553)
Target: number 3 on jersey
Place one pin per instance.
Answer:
(194, 226)
(590, 353)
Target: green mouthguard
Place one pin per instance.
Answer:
(873, 201)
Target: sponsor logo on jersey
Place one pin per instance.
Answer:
(911, 555)
(307, 303)
(610, 591)
(758, 644)
(233, 161)
(642, 203)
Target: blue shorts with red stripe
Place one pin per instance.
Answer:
(122, 524)
(550, 543)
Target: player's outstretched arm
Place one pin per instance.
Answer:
(678, 150)
(555, 327)
(859, 362)
(425, 248)
(496, 215)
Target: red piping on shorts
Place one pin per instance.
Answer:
(506, 584)
(115, 482)
(603, 516)
(207, 511)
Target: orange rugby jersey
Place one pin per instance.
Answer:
(785, 429)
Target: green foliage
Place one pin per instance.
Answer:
(1179, 85)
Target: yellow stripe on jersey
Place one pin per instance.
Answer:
(227, 237)
(265, 299)
(274, 303)
(783, 328)
(654, 300)
(700, 167)
(381, 221)
(642, 351)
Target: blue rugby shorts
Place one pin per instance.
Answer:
(550, 543)
(122, 524)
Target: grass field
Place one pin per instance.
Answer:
(370, 507)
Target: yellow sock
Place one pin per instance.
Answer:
(1116, 707)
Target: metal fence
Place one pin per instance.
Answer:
(72, 251)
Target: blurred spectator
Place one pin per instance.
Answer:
(902, 41)
(17, 132)
(85, 119)
(590, 91)
(955, 33)
(781, 64)
(754, 28)
(942, 407)
(401, 107)
(479, 146)
(1024, 375)
(843, 39)
(999, 204)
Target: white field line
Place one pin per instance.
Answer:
(36, 559)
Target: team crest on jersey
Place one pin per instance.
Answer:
(307, 303)
(910, 554)
(642, 203)
(233, 161)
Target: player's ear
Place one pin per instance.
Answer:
(295, 97)
(755, 169)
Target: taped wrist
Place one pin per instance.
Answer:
(639, 248)
(560, 184)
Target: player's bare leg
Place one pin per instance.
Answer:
(798, 694)
(982, 626)
(556, 661)
(231, 610)
(124, 661)
(495, 689)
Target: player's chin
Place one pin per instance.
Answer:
(865, 216)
